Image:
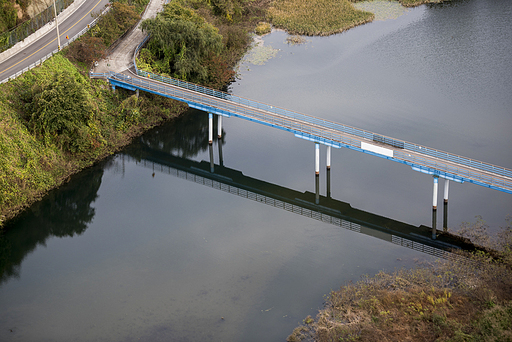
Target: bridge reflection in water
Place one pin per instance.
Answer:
(327, 210)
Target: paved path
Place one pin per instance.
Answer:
(121, 57)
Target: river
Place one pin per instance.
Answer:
(127, 251)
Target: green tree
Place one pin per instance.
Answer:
(7, 15)
(182, 40)
(59, 111)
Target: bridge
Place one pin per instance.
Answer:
(327, 210)
(420, 158)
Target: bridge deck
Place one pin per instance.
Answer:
(420, 158)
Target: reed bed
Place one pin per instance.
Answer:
(316, 17)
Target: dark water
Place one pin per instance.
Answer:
(126, 251)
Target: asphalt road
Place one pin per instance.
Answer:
(47, 43)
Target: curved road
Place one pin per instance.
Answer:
(47, 43)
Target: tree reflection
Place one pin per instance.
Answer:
(64, 212)
(185, 136)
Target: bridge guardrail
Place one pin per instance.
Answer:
(485, 167)
(292, 124)
(69, 41)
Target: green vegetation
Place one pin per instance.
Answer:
(316, 18)
(8, 15)
(200, 40)
(55, 121)
(93, 45)
(466, 298)
(182, 40)
(263, 28)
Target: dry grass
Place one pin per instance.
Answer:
(316, 17)
(467, 298)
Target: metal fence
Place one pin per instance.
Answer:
(68, 41)
(22, 31)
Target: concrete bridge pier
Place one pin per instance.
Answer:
(210, 128)
(445, 208)
(219, 126)
(137, 93)
(328, 171)
(113, 88)
(317, 173)
(434, 207)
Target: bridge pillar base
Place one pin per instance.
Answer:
(317, 189)
(212, 169)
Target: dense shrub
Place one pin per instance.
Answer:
(59, 110)
(182, 40)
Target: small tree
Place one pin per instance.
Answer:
(87, 50)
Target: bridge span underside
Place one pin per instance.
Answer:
(419, 158)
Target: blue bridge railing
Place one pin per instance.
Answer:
(478, 165)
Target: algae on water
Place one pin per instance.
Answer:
(383, 9)
(259, 53)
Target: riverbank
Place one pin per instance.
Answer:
(41, 148)
(464, 298)
(324, 17)
(56, 121)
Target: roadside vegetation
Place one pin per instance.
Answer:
(465, 298)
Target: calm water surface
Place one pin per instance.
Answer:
(126, 252)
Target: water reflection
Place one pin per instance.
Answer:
(64, 212)
(186, 137)
(67, 211)
(311, 205)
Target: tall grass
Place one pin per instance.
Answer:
(316, 17)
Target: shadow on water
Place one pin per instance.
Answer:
(67, 211)
(185, 137)
(64, 212)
